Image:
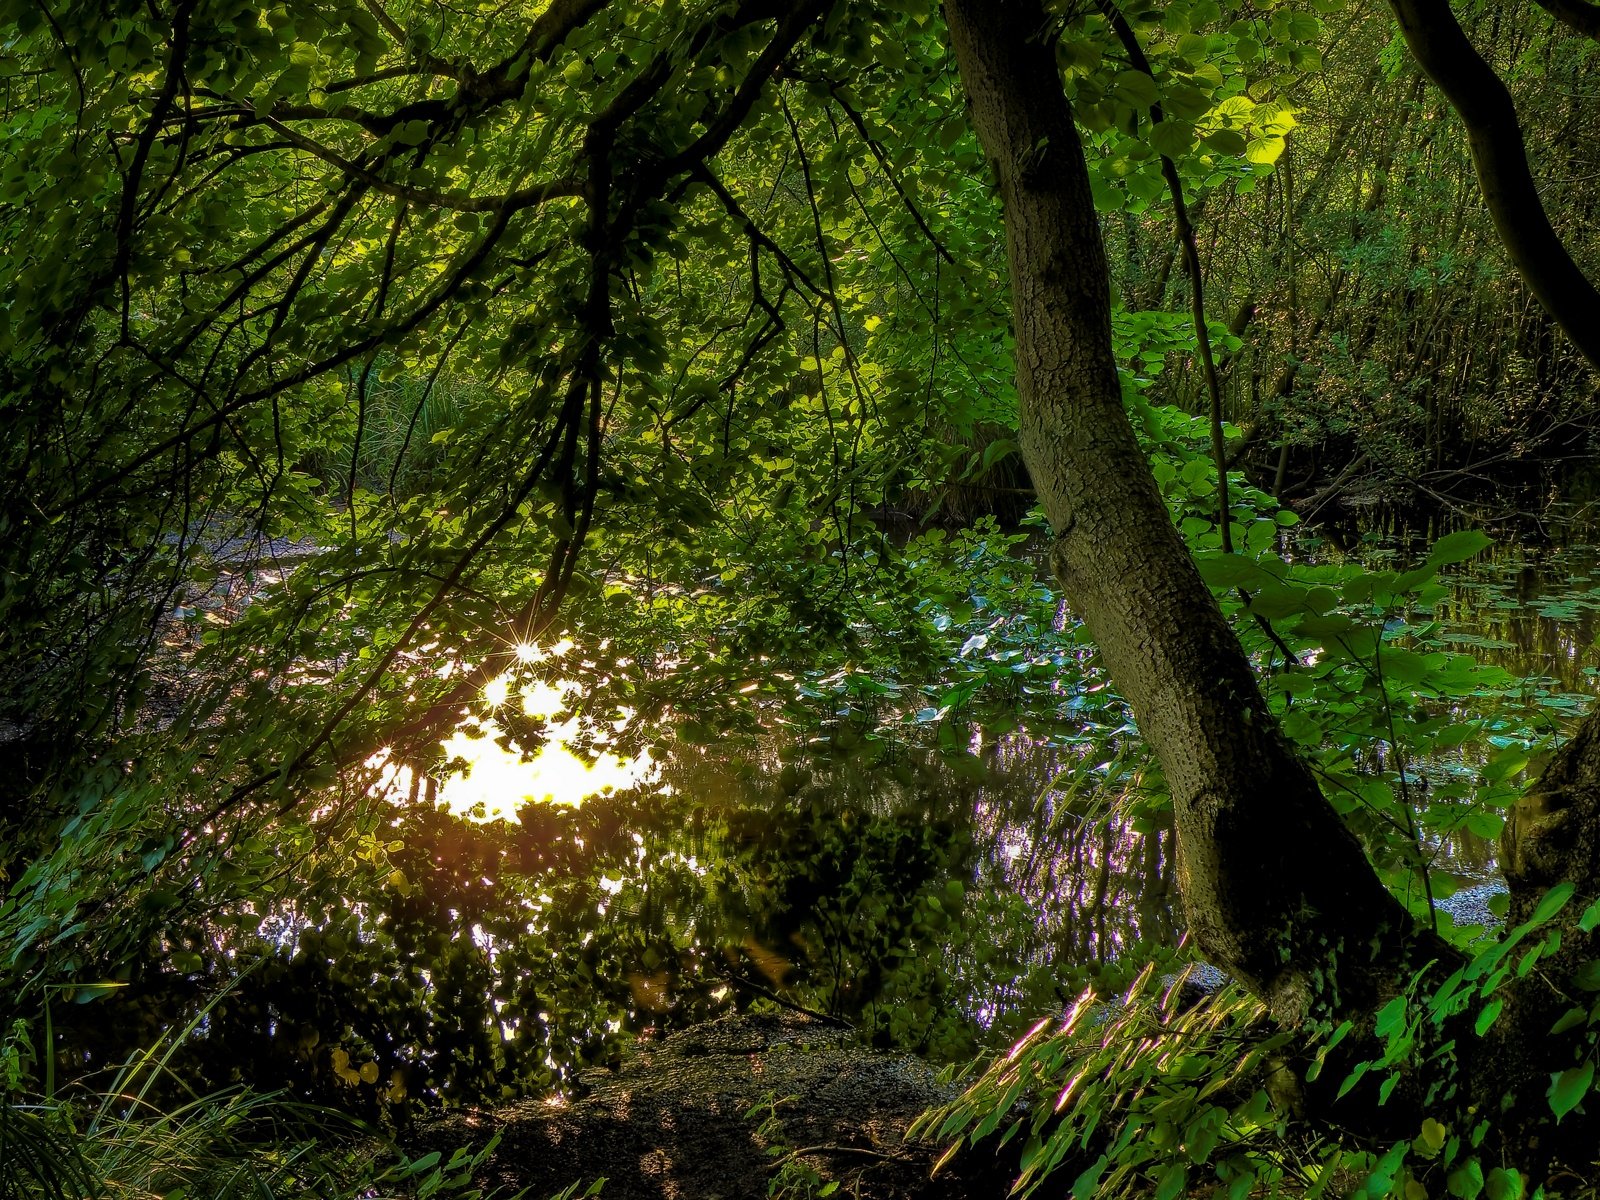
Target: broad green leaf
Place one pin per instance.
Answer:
(1431, 1140)
(1135, 89)
(1458, 546)
(1466, 1181)
(1265, 151)
(1330, 625)
(1226, 141)
(1568, 1089)
(1551, 903)
(1405, 667)
(1173, 138)
(1231, 571)
(1087, 1183)
(1504, 1183)
(1079, 53)
(1172, 1181)
(1391, 1017)
(1185, 101)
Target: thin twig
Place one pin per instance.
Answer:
(750, 985)
(834, 1148)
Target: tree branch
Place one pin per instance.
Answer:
(1500, 156)
(454, 201)
(1576, 15)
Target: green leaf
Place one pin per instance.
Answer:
(1082, 54)
(409, 133)
(1086, 1184)
(1504, 1184)
(89, 992)
(1226, 141)
(1488, 827)
(996, 450)
(1590, 918)
(1486, 1018)
(1405, 667)
(296, 78)
(1568, 1089)
(1570, 1019)
(1384, 1171)
(1503, 764)
(1552, 903)
(1185, 101)
(1588, 976)
(1391, 1016)
(1134, 88)
(1458, 546)
(1333, 625)
(1386, 1088)
(1265, 151)
(1466, 1181)
(1431, 1140)
(1172, 138)
(1350, 1080)
(1231, 571)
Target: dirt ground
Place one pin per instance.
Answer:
(745, 1108)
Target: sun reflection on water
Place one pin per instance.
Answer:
(491, 783)
(497, 782)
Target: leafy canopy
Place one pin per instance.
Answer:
(449, 297)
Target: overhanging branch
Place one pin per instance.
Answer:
(1500, 156)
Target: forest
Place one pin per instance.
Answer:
(788, 598)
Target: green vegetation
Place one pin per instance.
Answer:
(817, 395)
(125, 1141)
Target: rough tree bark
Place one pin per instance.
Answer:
(1276, 890)
(1552, 836)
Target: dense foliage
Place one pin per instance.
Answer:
(367, 368)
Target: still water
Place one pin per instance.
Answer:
(1037, 861)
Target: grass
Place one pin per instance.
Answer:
(398, 420)
(120, 1142)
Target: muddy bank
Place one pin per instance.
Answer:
(739, 1109)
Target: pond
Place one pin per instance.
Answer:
(936, 889)
(936, 898)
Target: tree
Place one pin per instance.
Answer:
(233, 223)
(1318, 940)
(1389, 351)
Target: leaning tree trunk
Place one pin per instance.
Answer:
(1276, 889)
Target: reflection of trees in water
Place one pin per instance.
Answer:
(517, 954)
(771, 851)
(1098, 879)
(1095, 880)
(1536, 609)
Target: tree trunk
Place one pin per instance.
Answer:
(1312, 931)
(1276, 890)
(1552, 836)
